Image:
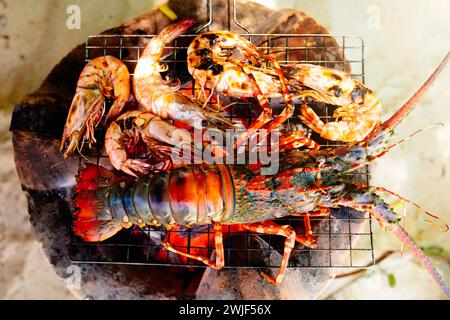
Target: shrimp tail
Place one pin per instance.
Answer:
(175, 30)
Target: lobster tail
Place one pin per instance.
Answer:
(108, 202)
(398, 116)
(90, 223)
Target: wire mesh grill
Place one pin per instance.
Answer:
(243, 249)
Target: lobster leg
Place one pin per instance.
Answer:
(287, 231)
(218, 239)
(310, 240)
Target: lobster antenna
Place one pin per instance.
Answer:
(405, 238)
(398, 116)
(381, 189)
(404, 140)
(372, 159)
(401, 234)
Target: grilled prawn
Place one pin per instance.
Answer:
(212, 64)
(310, 183)
(102, 78)
(358, 111)
(138, 134)
(161, 97)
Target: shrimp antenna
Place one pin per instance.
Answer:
(58, 163)
(80, 149)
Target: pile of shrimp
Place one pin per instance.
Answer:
(220, 62)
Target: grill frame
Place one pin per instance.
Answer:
(351, 47)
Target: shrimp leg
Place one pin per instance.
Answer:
(162, 140)
(289, 109)
(118, 155)
(263, 118)
(295, 140)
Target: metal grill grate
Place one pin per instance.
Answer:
(336, 233)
